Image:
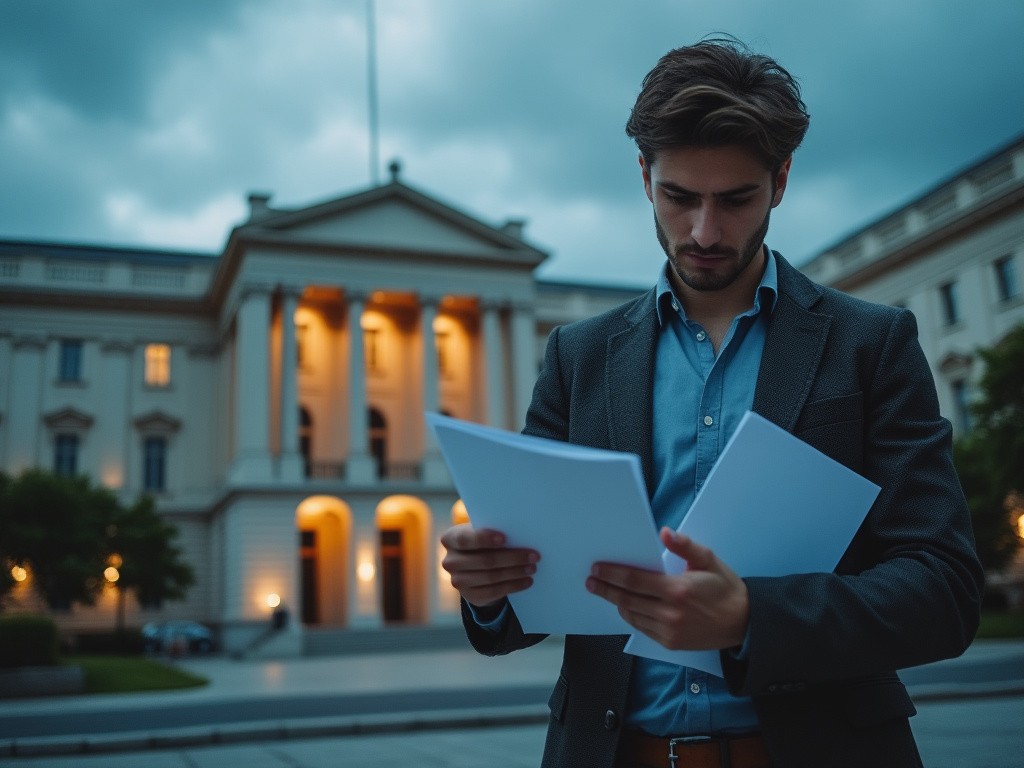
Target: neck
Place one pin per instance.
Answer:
(707, 307)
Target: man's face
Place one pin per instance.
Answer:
(711, 211)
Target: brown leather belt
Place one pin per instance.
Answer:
(638, 750)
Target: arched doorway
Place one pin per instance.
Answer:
(402, 524)
(325, 529)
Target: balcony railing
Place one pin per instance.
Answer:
(391, 470)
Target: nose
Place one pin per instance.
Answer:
(706, 231)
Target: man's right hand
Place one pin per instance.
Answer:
(483, 569)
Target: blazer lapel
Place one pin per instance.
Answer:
(792, 350)
(629, 377)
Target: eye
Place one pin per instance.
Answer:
(736, 202)
(681, 200)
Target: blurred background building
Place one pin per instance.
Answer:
(271, 396)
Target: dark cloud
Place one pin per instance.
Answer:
(169, 110)
(98, 58)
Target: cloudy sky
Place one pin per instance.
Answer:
(130, 122)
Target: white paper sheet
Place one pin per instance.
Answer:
(574, 505)
(771, 506)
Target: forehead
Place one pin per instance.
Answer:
(709, 169)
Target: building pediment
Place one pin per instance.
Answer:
(389, 218)
(955, 362)
(157, 422)
(68, 419)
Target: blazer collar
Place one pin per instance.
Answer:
(792, 350)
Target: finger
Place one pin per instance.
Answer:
(486, 594)
(489, 559)
(697, 557)
(628, 578)
(626, 600)
(465, 536)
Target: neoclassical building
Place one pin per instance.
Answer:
(954, 256)
(271, 397)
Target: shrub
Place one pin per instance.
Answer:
(28, 640)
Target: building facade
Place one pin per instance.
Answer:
(271, 398)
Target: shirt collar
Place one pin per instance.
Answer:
(767, 293)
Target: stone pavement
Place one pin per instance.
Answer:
(959, 699)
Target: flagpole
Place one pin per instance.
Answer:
(371, 49)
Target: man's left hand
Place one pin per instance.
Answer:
(706, 607)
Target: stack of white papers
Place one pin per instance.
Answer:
(771, 506)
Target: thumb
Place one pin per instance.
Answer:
(697, 557)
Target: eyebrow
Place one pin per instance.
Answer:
(676, 189)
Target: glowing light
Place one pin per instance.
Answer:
(111, 574)
(460, 514)
(366, 571)
(18, 573)
(273, 600)
(115, 560)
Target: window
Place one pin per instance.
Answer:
(371, 349)
(70, 360)
(442, 340)
(301, 334)
(158, 365)
(65, 454)
(950, 303)
(962, 405)
(154, 463)
(1006, 278)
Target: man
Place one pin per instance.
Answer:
(809, 660)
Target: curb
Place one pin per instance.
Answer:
(304, 728)
(368, 725)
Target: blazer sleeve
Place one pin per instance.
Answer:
(907, 591)
(546, 417)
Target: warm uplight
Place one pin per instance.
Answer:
(366, 571)
(273, 600)
(115, 560)
(1020, 526)
(460, 514)
(18, 573)
(111, 574)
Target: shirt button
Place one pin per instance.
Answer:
(701, 335)
(611, 720)
(694, 688)
(708, 421)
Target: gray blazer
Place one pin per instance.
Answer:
(849, 378)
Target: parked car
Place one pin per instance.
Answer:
(178, 636)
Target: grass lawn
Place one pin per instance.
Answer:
(1001, 624)
(123, 674)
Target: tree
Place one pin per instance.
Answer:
(55, 525)
(990, 458)
(68, 532)
(150, 562)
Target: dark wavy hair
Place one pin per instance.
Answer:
(718, 93)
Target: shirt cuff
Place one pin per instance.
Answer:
(491, 625)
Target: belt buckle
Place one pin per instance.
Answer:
(672, 756)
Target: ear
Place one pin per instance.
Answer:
(781, 178)
(645, 171)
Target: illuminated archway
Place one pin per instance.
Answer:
(325, 531)
(403, 523)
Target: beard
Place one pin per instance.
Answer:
(704, 279)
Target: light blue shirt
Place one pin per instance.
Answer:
(688, 434)
(699, 399)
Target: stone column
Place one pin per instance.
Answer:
(359, 466)
(290, 461)
(252, 462)
(433, 466)
(494, 368)
(524, 362)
